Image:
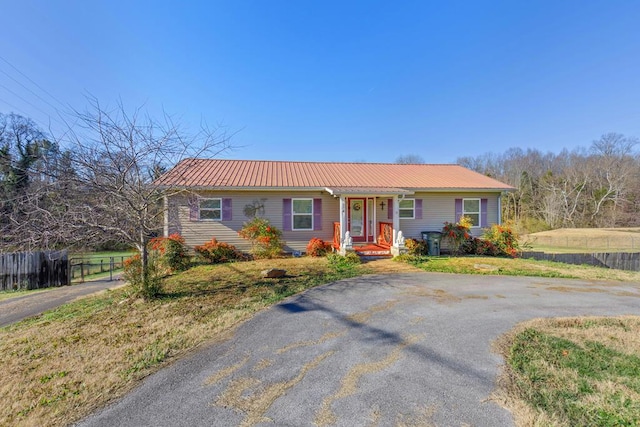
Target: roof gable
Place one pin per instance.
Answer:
(217, 173)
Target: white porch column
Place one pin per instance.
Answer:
(396, 220)
(343, 218)
(165, 204)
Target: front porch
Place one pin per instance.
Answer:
(382, 247)
(369, 219)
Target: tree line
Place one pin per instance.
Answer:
(91, 187)
(595, 186)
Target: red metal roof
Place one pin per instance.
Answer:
(216, 173)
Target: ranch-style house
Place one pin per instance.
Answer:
(352, 205)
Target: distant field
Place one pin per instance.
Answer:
(568, 240)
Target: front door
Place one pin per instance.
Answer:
(358, 219)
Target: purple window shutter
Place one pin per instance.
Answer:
(194, 208)
(317, 214)
(483, 212)
(458, 209)
(286, 214)
(390, 209)
(227, 213)
(418, 203)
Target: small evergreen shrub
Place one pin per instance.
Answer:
(416, 247)
(318, 247)
(148, 287)
(133, 271)
(342, 263)
(219, 252)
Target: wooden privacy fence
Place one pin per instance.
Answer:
(617, 260)
(34, 270)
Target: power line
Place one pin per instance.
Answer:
(34, 83)
(28, 102)
(35, 94)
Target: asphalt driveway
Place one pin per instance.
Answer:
(387, 350)
(15, 309)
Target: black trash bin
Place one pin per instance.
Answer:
(433, 241)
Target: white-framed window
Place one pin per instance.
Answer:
(302, 214)
(407, 208)
(210, 209)
(471, 209)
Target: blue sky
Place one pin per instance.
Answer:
(337, 81)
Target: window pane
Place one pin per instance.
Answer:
(475, 219)
(210, 214)
(209, 203)
(302, 222)
(406, 213)
(472, 205)
(406, 204)
(302, 206)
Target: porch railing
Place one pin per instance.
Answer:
(385, 235)
(336, 235)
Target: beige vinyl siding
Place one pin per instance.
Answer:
(199, 232)
(436, 209)
(440, 207)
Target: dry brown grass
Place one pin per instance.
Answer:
(585, 240)
(61, 366)
(66, 363)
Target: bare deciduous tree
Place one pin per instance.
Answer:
(410, 159)
(116, 156)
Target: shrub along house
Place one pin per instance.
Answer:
(367, 206)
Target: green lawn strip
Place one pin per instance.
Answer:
(19, 293)
(564, 378)
(490, 265)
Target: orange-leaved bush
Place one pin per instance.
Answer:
(218, 252)
(318, 247)
(266, 240)
(504, 238)
(171, 252)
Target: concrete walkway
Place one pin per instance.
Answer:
(385, 350)
(15, 309)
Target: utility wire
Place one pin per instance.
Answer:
(32, 92)
(34, 83)
(28, 102)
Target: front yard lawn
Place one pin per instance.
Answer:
(62, 365)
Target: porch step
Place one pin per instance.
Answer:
(371, 250)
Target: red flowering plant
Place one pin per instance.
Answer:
(170, 251)
(456, 234)
(218, 252)
(318, 247)
(266, 240)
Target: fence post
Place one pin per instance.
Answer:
(101, 269)
(110, 268)
(82, 271)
